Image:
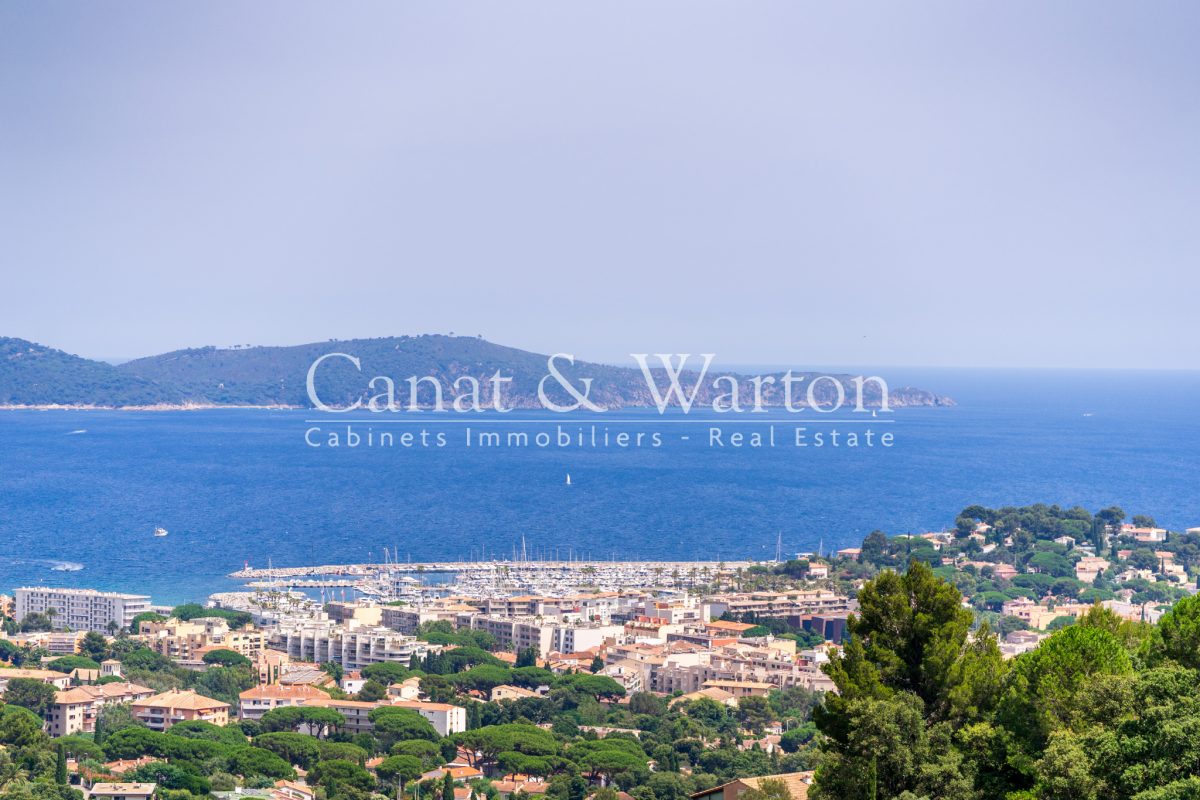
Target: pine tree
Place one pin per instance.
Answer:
(448, 787)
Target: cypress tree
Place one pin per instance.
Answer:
(60, 766)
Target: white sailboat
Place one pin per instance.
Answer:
(568, 479)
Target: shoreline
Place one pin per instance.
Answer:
(154, 407)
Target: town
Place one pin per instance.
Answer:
(572, 679)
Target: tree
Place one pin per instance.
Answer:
(1042, 695)
(1177, 637)
(338, 773)
(527, 657)
(372, 692)
(31, 694)
(67, 664)
(399, 770)
(1143, 521)
(393, 724)
(430, 753)
(226, 658)
(910, 630)
(60, 765)
(94, 646)
(249, 761)
(295, 748)
(447, 787)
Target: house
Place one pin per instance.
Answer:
(1004, 571)
(1088, 567)
(353, 682)
(506, 789)
(75, 710)
(59, 680)
(290, 790)
(507, 692)
(258, 700)
(162, 711)
(741, 689)
(716, 695)
(797, 784)
(121, 791)
(407, 689)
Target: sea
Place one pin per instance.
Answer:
(81, 492)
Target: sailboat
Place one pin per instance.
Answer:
(568, 479)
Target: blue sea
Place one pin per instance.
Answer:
(86, 489)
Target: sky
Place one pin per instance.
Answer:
(938, 184)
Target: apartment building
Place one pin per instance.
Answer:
(408, 619)
(256, 701)
(350, 644)
(687, 667)
(161, 711)
(445, 718)
(545, 636)
(188, 640)
(80, 609)
(794, 603)
(75, 709)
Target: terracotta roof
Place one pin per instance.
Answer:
(180, 698)
(797, 784)
(275, 691)
(122, 788)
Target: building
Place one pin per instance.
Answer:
(559, 635)
(797, 784)
(740, 689)
(188, 640)
(507, 692)
(256, 701)
(75, 709)
(408, 619)
(445, 718)
(80, 609)
(59, 680)
(351, 645)
(794, 603)
(162, 711)
(121, 791)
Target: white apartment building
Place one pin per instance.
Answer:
(80, 609)
(349, 644)
(546, 636)
(445, 718)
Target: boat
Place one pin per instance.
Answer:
(568, 479)
(160, 531)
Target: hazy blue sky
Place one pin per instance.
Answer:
(954, 183)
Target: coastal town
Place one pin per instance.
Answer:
(525, 677)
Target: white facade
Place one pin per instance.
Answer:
(80, 609)
(350, 645)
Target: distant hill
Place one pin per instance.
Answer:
(31, 374)
(276, 376)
